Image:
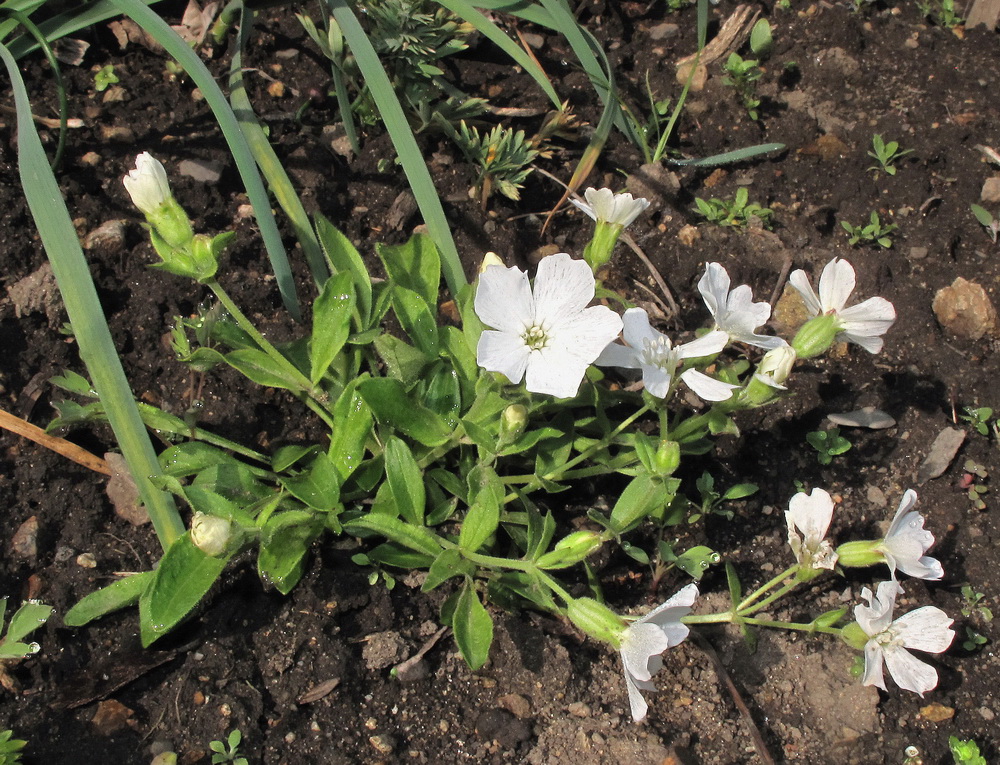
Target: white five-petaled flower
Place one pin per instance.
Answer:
(147, 184)
(907, 540)
(864, 323)
(604, 206)
(645, 639)
(734, 311)
(925, 629)
(547, 336)
(808, 517)
(653, 353)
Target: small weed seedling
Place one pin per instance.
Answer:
(28, 618)
(742, 75)
(965, 752)
(10, 748)
(973, 604)
(229, 751)
(504, 158)
(738, 212)
(941, 12)
(978, 418)
(828, 444)
(874, 233)
(104, 77)
(887, 154)
(711, 499)
(991, 224)
(973, 640)
(970, 483)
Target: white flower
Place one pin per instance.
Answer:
(147, 184)
(774, 368)
(926, 629)
(210, 533)
(907, 540)
(549, 337)
(604, 206)
(734, 312)
(644, 640)
(864, 323)
(810, 515)
(653, 353)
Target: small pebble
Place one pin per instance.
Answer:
(86, 560)
(383, 743)
(987, 714)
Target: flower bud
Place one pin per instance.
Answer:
(772, 372)
(512, 423)
(149, 189)
(210, 534)
(490, 259)
(860, 554)
(597, 620)
(571, 549)
(667, 458)
(816, 335)
(598, 251)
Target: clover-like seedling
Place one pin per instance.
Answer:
(874, 233)
(985, 217)
(965, 752)
(739, 211)
(228, 751)
(971, 483)
(978, 418)
(828, 444)
(105, 77)
(887, 154)
(973, 606)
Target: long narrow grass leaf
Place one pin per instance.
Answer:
(82, 16)
(737, 155)
(160, 31)
(402, 137)
(97, 349)
(268, 162)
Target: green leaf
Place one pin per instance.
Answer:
(415, 265)
(393, 407)
(414, 537)
(829, 618)
(28, 618)
(695, 562)
(353, 419)
(75, 383)
(540, 531)
(760, 38)
(191, 458)
(331, 325)
(982, 215)
(644, 495)
(480, 522)
(405, 480)
(417, 319)
(473, 627)
(182, 579)
(121, 594)
(261, 369)
(345, 259)
(286, 456)
(284, 543)
(740, 490)
(318, 487)
(442, 393)
(448, 564)
(735, 588)
(405, 363)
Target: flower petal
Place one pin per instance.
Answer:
(908, 671)
(707, 387)
(925, 629)
(636, 328)
(811, 514)
(617, 355)
(555, 371)
(503, 299)
(563, 288)
(873, 666)
(714, 289)
(656, 380)
(800, 282)
(836, 284)
(636, 702)
(640, 642)
(504, 353)
(706, 345)
(875, 617)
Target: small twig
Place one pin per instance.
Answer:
(654, 297)
(72, 122)
(782, 277)
(58, 445)
(657, 277)
(759, 744)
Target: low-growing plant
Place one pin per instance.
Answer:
(887, 154)
(988, 222)
(941, 12)
(972, 483)
(965, 752)
(973, 640)
(973, 606)
(228, 750)
(105, 77)
(742, 75)
(874, 233)
(828, 444)
(28, 618)
(738, 211)
(10, 748)
(978, 418)
(503, 156)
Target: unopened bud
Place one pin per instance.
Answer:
(816, 335)
(667, 458)
(571, 549)
(860, 554)
(512, 423)
(597, 620)
(598, 251)
(210, 534)
(772, 372)
(490, 259)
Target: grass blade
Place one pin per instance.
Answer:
(85, 313)
(214, 97)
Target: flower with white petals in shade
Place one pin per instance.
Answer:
(907, 540)
(734, 311)
(605, 206)
(808, 517)
(653, 353)
(864, 323)
(925, 629)
(147, 184)
(644, 640)
(547, 336)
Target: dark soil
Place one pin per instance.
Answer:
(250, 657)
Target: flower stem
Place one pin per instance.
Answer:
(756, 594)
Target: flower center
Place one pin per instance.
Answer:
(535, 338)
(887, 638)
(659, 352)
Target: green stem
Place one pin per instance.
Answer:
(797, 626)
(756, 594)
(771, 598)
(527, 566)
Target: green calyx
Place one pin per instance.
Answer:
(598, 251)
(597, 620)
(854, 636)
(816, 336)
(571, 549)
(860, 554)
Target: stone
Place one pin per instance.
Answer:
(117, 134)
(965, 310)
(383, 649)
(663, 31)
(942, 452)
(991, 190)
(688, 235)
(203, 171)
(106, 239)
(24, 543)
(699, 79)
